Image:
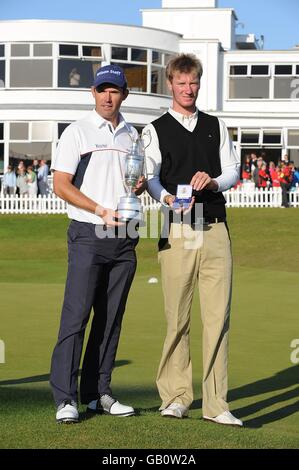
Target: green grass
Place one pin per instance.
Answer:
(263, 381)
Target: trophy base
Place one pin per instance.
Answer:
(129, 208)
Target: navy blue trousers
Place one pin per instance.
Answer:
(100, 274)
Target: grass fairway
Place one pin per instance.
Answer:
(263, 382)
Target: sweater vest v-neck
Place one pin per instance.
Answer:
(184, 153)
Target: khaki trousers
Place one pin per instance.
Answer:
(196, 257)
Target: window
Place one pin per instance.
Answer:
(283, 88)
(61, 127)
(297, 69)
(76, 73)
(249, 88)
(245, 83)
(30, 150)
(293, 137)
(30, 140)
(91, 51)
(139, 55)
(238, 70)
(283, 82)
(31, 73)
(233, 133)
(294, 156)
(36, 130)
(135, 62)
(42, 50)
(27, 70)
(68, 49)
(20, 50)
(272, 137)
(1, 50)
(136, 76)
(119, 53)
(2, 73)
(250, 137)
(1, 130)
(156, 57)
(19, 131)
(158, 82)
(283, 69)
(41, 131)
(259, 70)
(167, 58)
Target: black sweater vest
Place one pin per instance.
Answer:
(184, 153)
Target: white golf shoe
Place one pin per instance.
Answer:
(110, 406)
(67, 412)
(225, 418)
(175, 410)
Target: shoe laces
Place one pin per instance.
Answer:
(106, 401)
(65, 403)
(175, 406)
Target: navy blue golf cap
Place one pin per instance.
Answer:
(110, 74)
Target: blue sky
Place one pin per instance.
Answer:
(277, 20)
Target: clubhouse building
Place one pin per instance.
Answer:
(47, 68)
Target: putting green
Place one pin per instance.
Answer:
(263, 380)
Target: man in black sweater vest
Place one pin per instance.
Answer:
(192, 149)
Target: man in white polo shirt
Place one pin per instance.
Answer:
(88, 174)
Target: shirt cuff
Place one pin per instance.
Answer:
(156, 190)
(227, 180)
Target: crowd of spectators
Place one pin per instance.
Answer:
(28, 180)
(32, 180)
(257, 171)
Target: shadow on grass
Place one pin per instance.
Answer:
(46, 377)
(282, 380)
(14, 399)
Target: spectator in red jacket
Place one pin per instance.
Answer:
(273, 170)
(263, 176)
(246, 169)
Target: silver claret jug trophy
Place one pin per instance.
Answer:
(129, 206)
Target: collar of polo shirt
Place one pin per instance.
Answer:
(100, 121)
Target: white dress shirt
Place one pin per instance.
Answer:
(229, 160)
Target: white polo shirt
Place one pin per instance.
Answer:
(95, 152)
